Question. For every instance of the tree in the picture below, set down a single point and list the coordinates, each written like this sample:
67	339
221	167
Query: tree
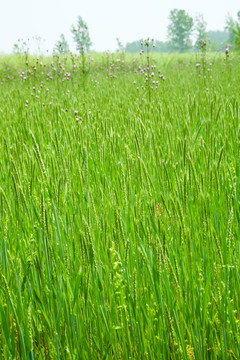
218	40
233	28
120	48
180	30
236	31
200	27
81	36
62	45
229	26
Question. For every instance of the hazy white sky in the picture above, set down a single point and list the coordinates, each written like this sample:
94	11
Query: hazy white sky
107	19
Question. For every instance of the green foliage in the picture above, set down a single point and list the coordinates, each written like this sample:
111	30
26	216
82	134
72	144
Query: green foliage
233	27
81	36
200	27
180	30
119	210
218	40
62	45
136	46
236	32
120	48
229	26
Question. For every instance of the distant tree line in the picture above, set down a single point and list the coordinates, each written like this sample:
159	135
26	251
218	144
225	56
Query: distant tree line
216	40
181	30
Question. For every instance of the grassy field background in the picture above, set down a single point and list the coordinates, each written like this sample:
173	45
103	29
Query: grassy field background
119	207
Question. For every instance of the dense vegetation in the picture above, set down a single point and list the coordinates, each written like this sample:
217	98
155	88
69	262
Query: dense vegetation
216	41
119	207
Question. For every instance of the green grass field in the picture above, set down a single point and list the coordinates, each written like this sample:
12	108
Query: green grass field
119	207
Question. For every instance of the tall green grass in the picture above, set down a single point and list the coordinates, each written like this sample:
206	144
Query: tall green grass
119	225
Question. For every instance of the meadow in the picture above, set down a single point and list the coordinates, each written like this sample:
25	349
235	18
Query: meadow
119	206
